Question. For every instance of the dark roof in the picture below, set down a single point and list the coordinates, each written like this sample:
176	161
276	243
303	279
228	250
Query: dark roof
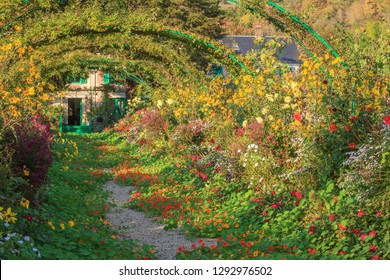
244	44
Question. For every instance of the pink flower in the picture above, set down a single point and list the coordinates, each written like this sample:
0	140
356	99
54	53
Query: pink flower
275	205
265	214
378	214
372	233
360	213
363	236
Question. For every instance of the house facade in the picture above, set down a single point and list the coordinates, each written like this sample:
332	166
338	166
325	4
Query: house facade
90	102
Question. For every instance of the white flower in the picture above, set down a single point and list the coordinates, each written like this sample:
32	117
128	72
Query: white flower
256	164
20	241
27	238
6	224
7	238
239	151
170	101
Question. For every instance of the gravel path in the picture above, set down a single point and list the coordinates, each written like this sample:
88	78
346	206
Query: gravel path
136	225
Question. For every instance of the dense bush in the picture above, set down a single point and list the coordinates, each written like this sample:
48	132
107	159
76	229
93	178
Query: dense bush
30	144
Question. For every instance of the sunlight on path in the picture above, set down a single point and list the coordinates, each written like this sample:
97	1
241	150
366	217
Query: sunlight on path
137	225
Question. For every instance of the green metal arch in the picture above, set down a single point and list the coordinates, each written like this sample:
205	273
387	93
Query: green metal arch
257	6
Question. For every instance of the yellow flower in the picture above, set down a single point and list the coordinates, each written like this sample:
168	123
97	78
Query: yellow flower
18	28
259	120
26	172
71	223
271	118
287	99
265	111
25	203
10	216
62	225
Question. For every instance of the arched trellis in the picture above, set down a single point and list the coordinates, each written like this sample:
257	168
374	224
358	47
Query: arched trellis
149	57
202	44
258	9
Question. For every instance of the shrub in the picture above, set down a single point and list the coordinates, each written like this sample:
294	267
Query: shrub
30	145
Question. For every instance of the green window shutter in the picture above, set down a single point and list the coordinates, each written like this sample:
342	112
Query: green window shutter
106	78
83	81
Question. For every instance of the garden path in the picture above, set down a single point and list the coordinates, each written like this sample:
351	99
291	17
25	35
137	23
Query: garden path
136	225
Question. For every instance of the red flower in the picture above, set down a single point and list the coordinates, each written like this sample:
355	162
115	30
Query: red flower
342	227
333	127
372	233
179	249
265	214
378	214
376	257
212	246
212	141
193	246
373	248
363	236
353	118
347	128
271	248
387	120
331	218
285	246
298	195
352	145
297	117
200	241
102	241
360	213
275	205
224	244
311	251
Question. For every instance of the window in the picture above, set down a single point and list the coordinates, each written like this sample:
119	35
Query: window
79	81
106	78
